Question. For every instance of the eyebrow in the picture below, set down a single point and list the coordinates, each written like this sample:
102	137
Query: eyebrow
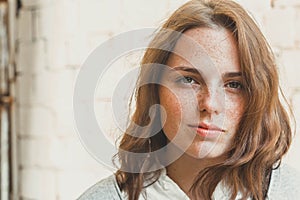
187	69
194	70
232	74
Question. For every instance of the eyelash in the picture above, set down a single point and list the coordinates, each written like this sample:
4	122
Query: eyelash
237	85
231	85
185	79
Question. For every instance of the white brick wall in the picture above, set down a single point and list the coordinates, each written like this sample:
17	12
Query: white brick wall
38	183
283	19
55	36
290	60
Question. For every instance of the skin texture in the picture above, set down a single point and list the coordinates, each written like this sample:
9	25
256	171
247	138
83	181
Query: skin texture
204	108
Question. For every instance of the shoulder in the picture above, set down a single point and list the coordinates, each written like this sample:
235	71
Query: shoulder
106	189
285	183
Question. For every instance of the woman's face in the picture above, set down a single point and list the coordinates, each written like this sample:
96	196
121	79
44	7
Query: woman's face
203	101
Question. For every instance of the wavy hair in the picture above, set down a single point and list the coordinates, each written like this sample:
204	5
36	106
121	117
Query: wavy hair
264	130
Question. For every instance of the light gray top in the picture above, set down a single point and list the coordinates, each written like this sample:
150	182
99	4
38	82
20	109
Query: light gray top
284	185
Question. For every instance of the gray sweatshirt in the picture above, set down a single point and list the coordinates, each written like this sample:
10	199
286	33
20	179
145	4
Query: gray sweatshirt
284	185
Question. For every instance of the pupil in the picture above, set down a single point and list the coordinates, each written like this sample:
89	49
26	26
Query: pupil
234	85
188	79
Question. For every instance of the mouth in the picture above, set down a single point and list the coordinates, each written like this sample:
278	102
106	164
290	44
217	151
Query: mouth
206	130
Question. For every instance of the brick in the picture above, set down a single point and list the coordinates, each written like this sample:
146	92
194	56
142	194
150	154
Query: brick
64	118
62	85
95	39
28	94
132	60
290	60
153	12
54	90
116	72
63	14
24	85
282	71
255	6
33	90
70	14
56	55
108	132
34	3
37	183
256	10
4	156
25	26
35	152
45	23
297	27
76	50
46	88
63	151
99	15
36	121
107	84
107	89
174	5
286	3
66	179
295	147
296	108
31	57
105	118
280	27
56	154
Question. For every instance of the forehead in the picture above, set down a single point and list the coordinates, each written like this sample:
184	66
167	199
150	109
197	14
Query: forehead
216	46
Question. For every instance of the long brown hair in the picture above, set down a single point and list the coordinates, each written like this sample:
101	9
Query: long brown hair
264	130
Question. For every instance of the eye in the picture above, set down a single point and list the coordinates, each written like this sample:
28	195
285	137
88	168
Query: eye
234	85
186	80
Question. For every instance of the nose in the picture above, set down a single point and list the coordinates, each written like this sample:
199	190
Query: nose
211	100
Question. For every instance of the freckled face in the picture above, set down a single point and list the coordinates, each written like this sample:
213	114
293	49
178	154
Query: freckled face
208	120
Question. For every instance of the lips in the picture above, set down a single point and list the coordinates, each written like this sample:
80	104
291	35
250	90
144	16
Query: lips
208	130
210	127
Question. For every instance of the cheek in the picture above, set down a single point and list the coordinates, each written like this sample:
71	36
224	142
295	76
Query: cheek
235	110
173	112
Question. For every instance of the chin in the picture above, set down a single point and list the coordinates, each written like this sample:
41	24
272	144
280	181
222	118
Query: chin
201	153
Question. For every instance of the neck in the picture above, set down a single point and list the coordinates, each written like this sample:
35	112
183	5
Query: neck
184	170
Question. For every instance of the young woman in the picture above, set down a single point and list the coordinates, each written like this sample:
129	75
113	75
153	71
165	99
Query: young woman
220	111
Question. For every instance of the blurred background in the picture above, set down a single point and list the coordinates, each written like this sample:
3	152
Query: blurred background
42	46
